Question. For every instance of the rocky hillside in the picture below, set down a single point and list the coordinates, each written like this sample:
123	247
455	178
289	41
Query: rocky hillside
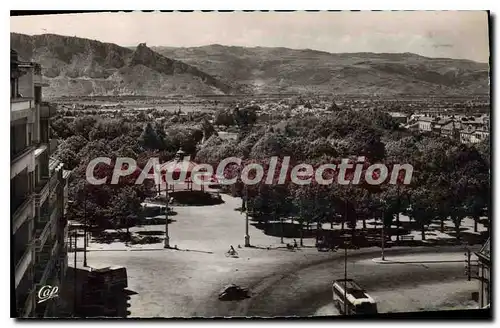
75	67
262	69
79	67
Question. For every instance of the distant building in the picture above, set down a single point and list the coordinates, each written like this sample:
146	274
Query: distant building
425	123
450	130
479	135
470	134
401	118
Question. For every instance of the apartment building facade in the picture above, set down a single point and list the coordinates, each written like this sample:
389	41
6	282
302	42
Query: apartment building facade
38	225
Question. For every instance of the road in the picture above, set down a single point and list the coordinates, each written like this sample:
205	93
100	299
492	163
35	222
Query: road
307	291
283	283
186	282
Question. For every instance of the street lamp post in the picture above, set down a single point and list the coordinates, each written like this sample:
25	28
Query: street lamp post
345	276
85	228
383	230
247	236
167	238
74	275
282	232
345	262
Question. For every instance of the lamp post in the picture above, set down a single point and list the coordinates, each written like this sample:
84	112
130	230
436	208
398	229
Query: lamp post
85	227
247	236
345	275
345	262
245	203
167	238
74	275
383	229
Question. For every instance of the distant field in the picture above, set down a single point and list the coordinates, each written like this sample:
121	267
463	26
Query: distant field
171	106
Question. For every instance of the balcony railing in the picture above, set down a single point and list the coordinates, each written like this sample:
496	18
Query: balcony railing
23	263
25	303
15	156
19	204
21	212
52	146
46	262
40	148
21	103
54	216
42	266
42	231
42	189
54	181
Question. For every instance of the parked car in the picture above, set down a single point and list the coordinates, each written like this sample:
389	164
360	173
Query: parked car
233	292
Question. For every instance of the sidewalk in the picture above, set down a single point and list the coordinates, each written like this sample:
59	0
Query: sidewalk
423	258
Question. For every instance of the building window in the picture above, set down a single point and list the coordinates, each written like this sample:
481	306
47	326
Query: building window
38	95
13	87
44	131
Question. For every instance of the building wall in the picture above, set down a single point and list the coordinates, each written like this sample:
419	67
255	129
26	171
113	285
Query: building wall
484	285
26	85
42	232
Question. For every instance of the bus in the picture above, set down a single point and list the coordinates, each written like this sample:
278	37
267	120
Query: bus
357	300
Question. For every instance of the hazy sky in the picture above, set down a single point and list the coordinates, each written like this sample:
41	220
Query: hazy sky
455	34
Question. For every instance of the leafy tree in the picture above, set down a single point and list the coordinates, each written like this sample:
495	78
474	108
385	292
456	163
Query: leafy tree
149	139
422	208
61	128
223	117
83	125
125	207
108	129
244	118
208	129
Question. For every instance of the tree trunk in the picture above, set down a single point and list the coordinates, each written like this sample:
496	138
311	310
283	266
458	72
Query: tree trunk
397	227
342	225
457	231
423	231
442	224
282	230
364	222
301	233
476	218
317	232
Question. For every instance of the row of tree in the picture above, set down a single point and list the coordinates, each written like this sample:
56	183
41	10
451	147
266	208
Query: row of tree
450	180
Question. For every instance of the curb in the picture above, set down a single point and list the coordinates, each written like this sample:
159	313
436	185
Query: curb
380	261
126	250
145	250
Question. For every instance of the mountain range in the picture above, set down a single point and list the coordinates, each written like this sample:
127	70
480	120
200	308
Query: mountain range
74	66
